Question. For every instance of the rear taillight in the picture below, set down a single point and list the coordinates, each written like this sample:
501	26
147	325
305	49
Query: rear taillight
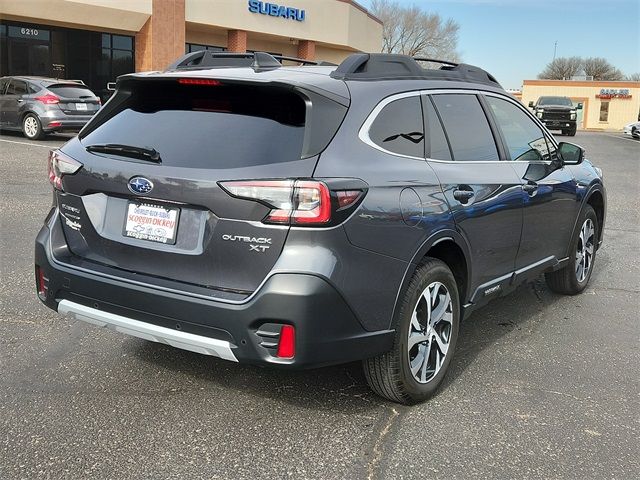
59	166
48	99
42	283
295	202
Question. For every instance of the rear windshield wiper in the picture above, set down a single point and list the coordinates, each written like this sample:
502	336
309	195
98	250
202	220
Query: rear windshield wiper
142	153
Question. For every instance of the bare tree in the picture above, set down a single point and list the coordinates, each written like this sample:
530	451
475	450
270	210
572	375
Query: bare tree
562	68
600	69
634	77
412	31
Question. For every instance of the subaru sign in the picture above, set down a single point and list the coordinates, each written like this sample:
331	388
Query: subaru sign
273	10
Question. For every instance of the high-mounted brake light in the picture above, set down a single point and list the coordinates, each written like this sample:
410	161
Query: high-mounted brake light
59	166
299	202
199	81
48	99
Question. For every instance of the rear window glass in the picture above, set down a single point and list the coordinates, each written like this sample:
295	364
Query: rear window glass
467	127
208	126
70	91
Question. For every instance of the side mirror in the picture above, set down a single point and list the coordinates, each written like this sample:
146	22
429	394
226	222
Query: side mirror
579	107
530	104
570	153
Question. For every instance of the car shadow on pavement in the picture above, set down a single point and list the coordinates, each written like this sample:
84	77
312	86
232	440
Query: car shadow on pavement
343	388
18	136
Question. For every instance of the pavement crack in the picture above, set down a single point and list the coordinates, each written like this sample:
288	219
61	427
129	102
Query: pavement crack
378	446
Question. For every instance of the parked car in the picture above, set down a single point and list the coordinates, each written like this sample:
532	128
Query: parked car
633	129
37	106
313	215
557	113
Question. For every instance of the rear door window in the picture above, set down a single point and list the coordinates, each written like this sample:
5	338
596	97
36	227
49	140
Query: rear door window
399	127
437	145
525	140
17	87
206	126
467	127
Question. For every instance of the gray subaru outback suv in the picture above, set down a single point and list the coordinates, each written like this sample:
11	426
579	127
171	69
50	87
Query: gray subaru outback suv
312	215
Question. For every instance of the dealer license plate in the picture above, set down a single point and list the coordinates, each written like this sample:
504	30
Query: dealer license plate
151	222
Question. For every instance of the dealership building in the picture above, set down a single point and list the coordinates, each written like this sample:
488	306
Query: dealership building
97	40
605	105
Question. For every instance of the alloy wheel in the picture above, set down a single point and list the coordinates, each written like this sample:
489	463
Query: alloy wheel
430	332
30	127
584	250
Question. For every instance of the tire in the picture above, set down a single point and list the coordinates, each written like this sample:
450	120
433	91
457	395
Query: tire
32	127
635	134
572	133
573	279
390	374
564	132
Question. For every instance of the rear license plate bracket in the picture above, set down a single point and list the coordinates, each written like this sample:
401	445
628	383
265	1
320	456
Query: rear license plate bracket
151	222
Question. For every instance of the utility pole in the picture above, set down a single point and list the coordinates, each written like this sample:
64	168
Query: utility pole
555	49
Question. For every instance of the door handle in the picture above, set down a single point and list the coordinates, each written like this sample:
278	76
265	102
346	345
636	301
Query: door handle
19	100
530	187
463	195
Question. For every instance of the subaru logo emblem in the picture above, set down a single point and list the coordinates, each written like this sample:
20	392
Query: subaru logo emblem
140	185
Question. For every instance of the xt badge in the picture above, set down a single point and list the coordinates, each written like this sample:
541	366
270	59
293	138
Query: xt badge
256	244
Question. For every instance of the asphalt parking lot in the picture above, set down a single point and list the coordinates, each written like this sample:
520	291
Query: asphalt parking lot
542	386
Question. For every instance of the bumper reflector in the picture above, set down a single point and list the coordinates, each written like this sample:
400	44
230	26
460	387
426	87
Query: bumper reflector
42	283
287	342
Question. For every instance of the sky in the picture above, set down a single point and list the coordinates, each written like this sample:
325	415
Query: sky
514	39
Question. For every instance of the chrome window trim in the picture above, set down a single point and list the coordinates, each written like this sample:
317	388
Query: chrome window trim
363	133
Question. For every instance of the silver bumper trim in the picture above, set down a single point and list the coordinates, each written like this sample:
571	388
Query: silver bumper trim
147	331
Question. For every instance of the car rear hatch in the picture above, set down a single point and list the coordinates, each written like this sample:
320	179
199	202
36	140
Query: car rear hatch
75	99
150	197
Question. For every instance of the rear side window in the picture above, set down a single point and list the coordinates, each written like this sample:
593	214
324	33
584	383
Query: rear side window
467	127
70	91
525	140
399	127
437	146
206	126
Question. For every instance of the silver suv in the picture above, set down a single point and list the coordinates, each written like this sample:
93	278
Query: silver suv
38	106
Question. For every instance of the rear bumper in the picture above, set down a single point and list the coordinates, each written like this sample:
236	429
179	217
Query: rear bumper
58	121
326	330
60	125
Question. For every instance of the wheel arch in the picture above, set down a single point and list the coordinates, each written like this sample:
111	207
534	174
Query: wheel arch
451	248
597	201
27	112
